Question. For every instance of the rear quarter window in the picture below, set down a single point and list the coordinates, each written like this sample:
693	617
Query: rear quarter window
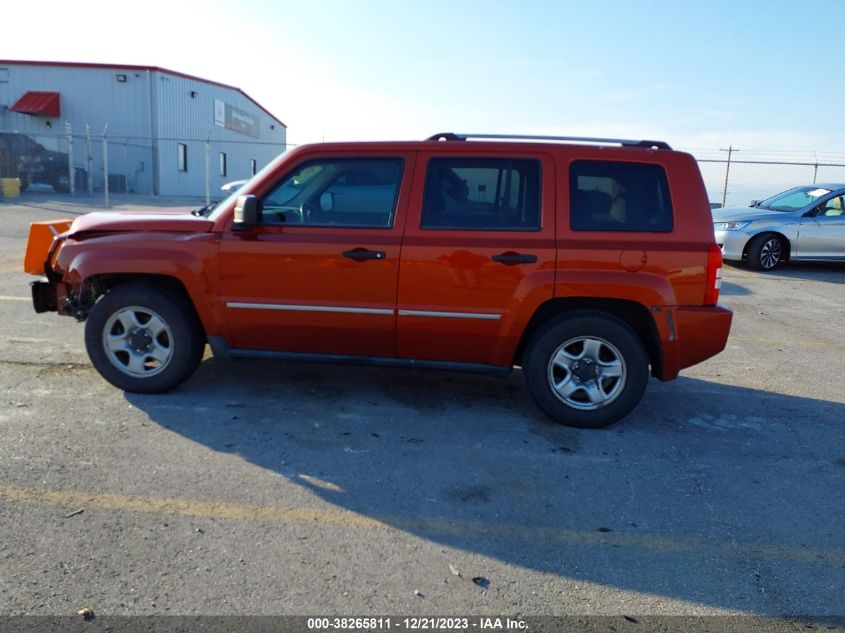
619	196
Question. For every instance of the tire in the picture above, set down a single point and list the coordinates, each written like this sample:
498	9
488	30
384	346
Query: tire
766	251
143	339
587	369
61	183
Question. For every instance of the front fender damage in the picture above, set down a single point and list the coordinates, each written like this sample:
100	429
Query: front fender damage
53	295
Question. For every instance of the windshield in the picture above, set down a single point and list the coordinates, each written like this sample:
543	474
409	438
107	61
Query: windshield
220	206
794	199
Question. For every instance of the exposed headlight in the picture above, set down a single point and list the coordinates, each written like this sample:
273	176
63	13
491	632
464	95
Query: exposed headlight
729	226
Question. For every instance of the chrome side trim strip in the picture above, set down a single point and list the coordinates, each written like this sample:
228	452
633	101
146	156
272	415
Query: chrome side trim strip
306	308
351	310
451	315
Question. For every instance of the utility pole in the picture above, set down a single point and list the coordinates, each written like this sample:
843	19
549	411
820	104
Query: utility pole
208	169
106	166
730	151
89	160
70	169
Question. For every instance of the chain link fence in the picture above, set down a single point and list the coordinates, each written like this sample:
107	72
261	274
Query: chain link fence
756	175
97	164
75	162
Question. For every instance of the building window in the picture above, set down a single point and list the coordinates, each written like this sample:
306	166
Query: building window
253	166
182	157
223	169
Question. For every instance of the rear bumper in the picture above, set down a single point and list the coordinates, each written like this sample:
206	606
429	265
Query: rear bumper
692	335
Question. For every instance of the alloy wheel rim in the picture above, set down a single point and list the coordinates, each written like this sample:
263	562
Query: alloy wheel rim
138	342
770	253
587	373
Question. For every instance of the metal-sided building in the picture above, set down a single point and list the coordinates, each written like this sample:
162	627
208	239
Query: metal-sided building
166	132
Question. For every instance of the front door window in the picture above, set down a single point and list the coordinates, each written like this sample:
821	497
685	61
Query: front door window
336	192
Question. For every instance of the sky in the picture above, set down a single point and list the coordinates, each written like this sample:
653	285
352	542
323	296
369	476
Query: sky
757	75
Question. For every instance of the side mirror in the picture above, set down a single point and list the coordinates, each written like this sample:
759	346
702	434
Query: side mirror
246	213
327	201
754	203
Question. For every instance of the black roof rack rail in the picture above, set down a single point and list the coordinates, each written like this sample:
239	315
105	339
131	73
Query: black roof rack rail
451	136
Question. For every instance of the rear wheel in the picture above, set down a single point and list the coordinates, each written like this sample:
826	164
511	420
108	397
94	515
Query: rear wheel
766	251
143	339
587	369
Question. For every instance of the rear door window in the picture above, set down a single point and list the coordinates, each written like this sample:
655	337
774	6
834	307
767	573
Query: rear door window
482	194
619	196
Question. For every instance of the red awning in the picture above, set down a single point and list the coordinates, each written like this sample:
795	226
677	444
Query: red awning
46	103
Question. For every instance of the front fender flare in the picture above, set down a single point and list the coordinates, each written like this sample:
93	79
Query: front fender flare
193	265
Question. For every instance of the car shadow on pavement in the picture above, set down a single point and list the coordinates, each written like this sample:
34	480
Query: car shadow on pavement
826	272
709	493
730	289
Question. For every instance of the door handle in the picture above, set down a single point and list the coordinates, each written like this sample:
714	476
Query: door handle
362	254
514	258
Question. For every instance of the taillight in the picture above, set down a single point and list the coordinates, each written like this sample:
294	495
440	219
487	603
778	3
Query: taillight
714	275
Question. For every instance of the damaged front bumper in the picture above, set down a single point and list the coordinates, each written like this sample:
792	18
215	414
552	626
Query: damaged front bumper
44	296
44	238
50	293
54	295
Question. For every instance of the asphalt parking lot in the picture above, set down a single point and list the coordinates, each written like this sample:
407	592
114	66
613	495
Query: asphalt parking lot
274	488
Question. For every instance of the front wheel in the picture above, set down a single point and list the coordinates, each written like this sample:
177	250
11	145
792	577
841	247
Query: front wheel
143	339
587	369
765	252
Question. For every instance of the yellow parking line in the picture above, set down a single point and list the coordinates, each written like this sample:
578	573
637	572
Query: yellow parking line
185	507
8	298
431	525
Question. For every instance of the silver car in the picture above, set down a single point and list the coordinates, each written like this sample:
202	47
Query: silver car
802	224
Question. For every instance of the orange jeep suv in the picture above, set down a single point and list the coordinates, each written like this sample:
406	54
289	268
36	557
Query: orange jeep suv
589	263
